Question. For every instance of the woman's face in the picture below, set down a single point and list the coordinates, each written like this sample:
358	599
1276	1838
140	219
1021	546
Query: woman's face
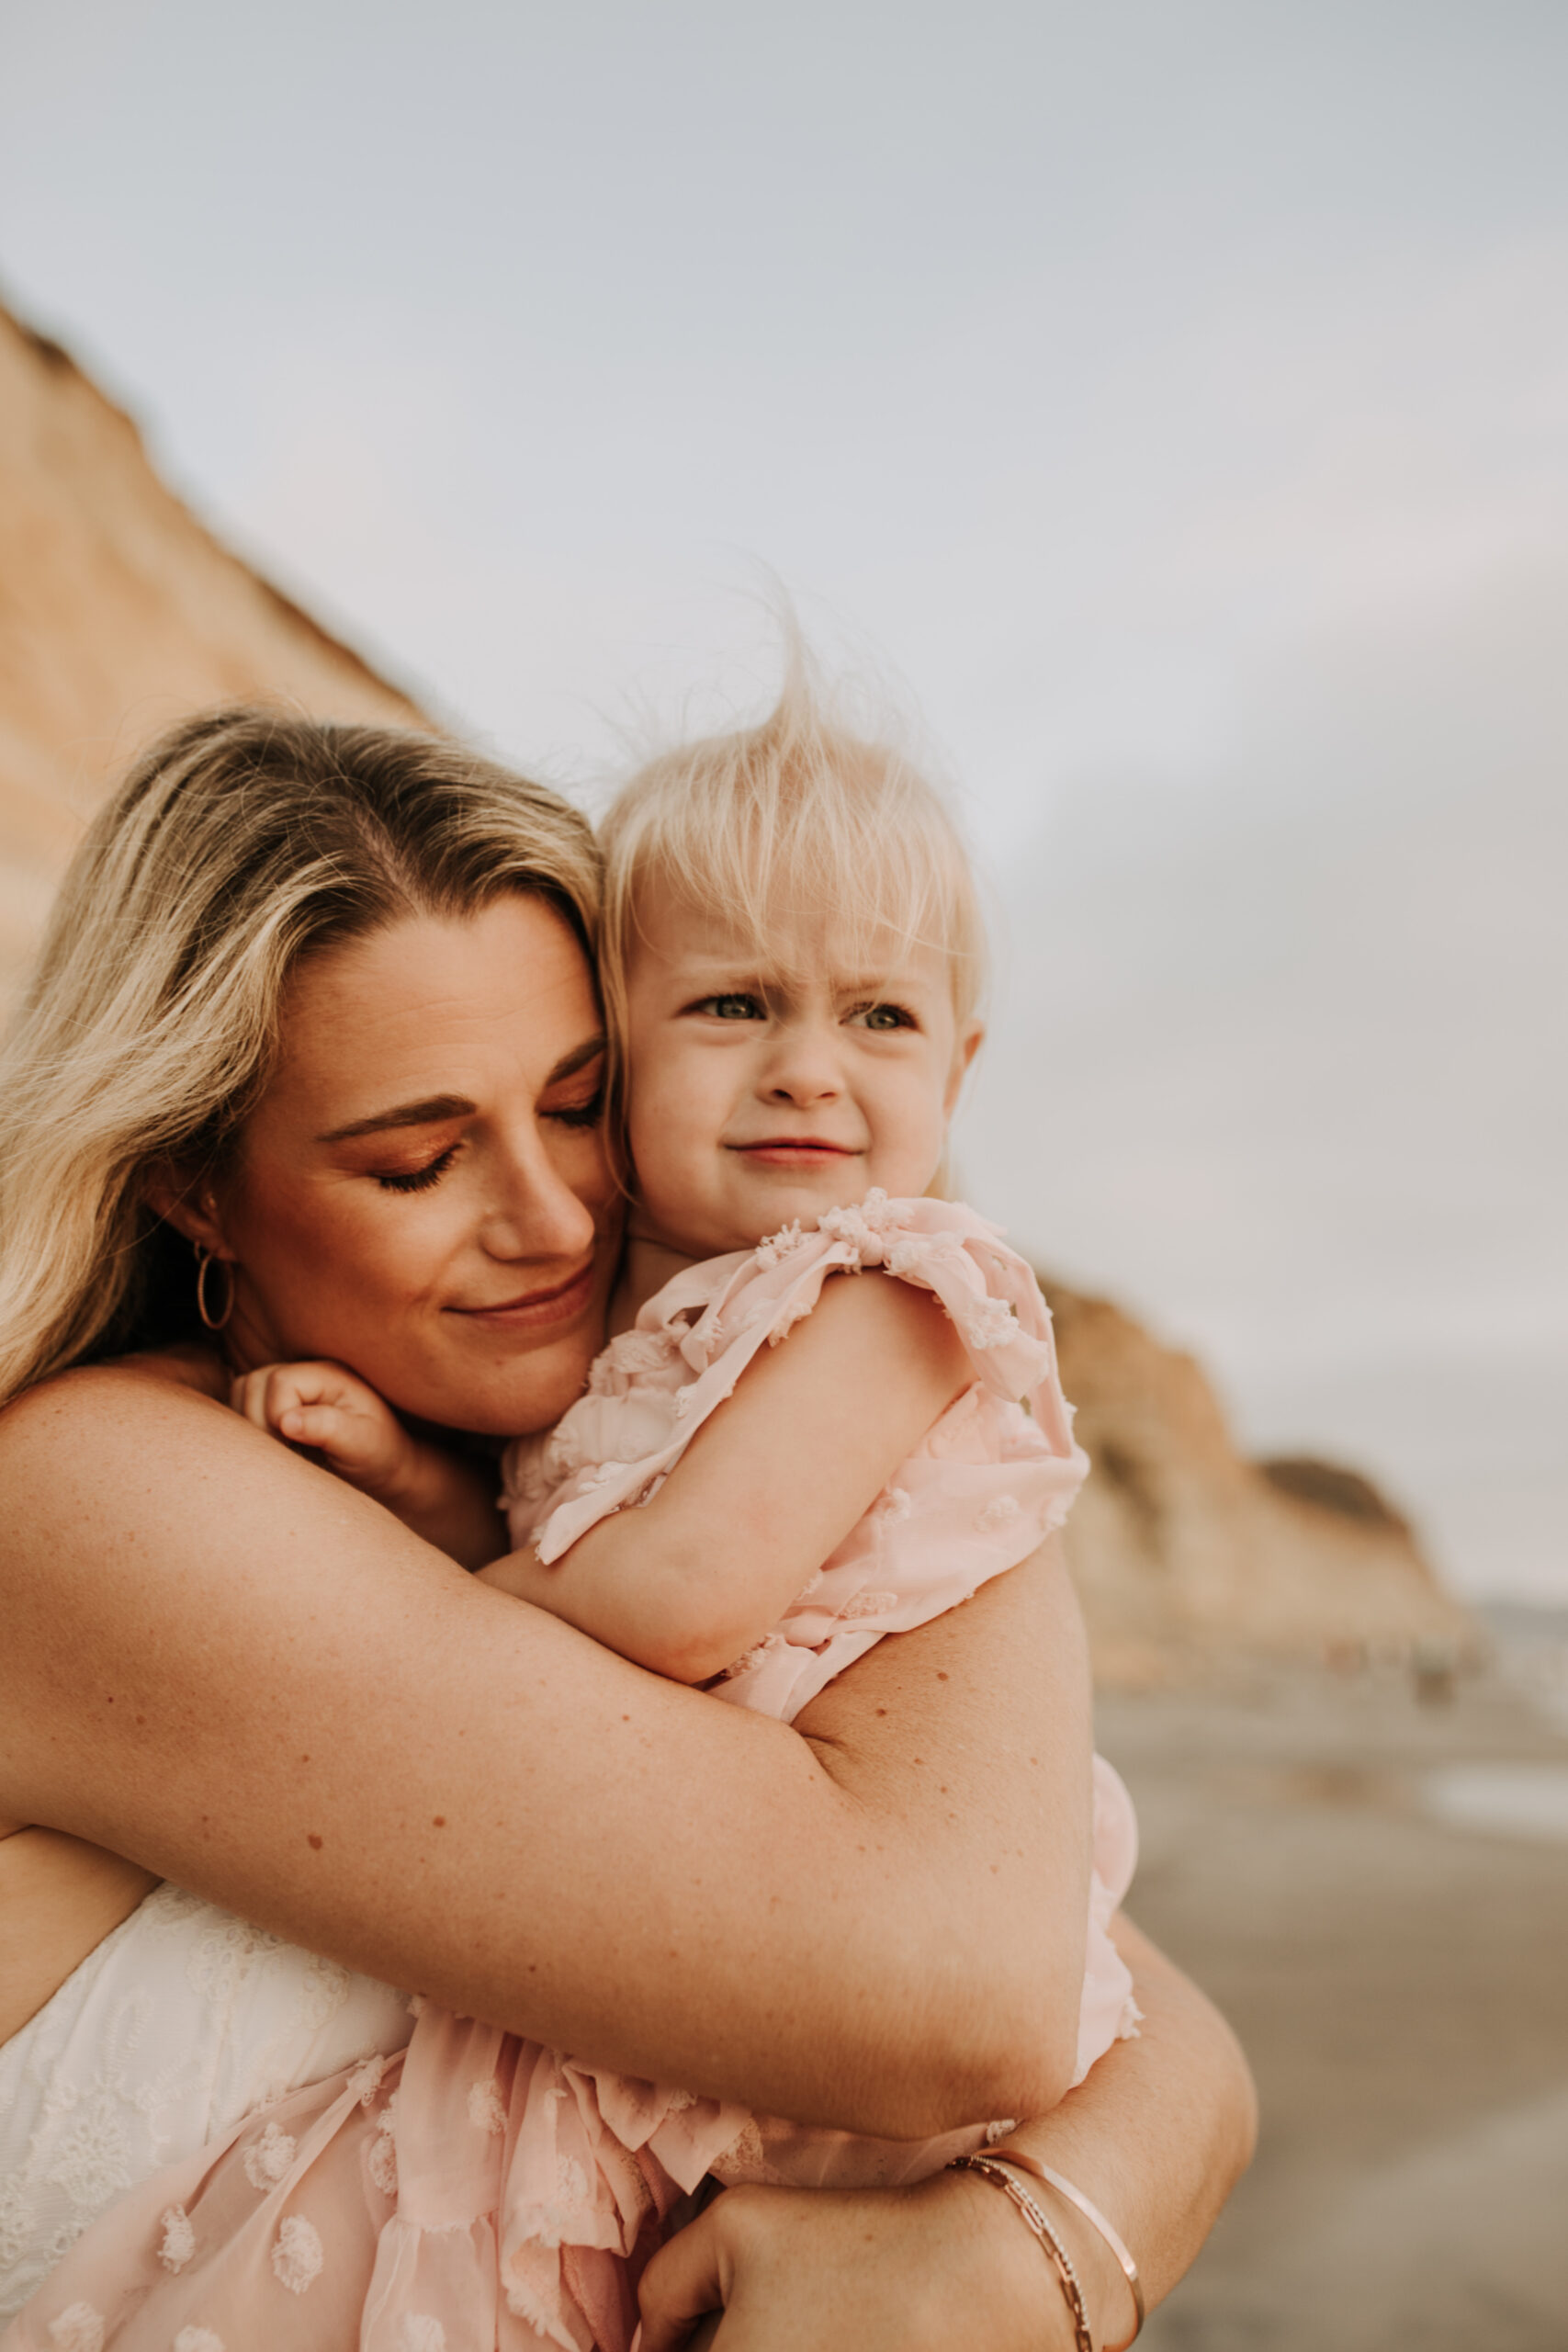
422	1194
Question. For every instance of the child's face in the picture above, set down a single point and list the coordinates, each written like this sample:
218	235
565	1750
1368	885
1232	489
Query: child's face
754	1100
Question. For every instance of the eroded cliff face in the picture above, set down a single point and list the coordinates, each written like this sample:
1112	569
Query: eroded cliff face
119	614
1184	1551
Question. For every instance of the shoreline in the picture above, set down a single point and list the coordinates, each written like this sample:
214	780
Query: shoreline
1395	1973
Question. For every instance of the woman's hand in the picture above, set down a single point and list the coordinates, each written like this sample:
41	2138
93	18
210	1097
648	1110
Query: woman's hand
1156	2133
947	2266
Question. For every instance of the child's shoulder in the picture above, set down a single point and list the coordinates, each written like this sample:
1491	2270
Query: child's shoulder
749	1295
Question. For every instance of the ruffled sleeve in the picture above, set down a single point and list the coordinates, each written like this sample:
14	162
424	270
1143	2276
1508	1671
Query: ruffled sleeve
708	1323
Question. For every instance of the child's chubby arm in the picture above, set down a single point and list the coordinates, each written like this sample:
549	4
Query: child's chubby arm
330	1411
766	1491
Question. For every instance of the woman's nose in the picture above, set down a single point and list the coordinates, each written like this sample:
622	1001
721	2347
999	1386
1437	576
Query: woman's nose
538	1214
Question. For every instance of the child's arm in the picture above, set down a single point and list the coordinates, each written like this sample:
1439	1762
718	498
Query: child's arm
321	1407
766	1491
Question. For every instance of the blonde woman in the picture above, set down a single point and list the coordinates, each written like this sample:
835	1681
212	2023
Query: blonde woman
266	1753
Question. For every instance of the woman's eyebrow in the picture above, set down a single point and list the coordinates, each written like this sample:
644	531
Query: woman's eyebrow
579	1058
406	1115
435	1107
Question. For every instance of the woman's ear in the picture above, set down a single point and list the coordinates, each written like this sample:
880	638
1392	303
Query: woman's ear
971	1038
186	1201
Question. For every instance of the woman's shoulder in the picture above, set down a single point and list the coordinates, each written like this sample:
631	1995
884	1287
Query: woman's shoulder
73	1441
178	1384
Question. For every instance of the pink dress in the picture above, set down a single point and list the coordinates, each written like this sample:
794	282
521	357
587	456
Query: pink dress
478	2189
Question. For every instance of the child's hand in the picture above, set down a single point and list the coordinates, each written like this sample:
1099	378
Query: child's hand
447	1500
335	1414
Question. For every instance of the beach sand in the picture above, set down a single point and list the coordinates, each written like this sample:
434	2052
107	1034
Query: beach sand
1400	1981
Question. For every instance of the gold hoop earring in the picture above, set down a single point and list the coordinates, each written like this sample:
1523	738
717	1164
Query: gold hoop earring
205	1259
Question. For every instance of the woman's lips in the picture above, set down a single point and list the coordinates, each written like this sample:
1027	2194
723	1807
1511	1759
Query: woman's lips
536	1309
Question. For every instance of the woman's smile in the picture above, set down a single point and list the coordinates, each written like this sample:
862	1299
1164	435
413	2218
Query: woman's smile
537	1309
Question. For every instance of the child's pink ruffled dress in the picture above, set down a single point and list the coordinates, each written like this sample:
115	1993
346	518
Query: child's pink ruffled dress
478	2189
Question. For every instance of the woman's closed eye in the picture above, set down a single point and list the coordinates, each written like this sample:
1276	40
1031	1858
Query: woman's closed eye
417	1180
587	1113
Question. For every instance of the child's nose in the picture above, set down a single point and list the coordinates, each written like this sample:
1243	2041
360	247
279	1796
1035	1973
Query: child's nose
803	1070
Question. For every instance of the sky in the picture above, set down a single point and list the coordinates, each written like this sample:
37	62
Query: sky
1170	403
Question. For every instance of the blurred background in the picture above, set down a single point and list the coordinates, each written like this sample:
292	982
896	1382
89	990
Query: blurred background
1172	402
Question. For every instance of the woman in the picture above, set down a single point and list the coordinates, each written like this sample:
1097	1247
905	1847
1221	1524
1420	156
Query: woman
290	964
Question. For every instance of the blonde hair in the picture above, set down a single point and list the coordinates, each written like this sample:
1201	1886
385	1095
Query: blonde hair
242	842
802	813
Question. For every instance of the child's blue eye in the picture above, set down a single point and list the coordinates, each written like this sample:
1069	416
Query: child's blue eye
732	1008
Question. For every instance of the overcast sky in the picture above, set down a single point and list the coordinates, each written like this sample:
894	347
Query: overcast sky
1173	397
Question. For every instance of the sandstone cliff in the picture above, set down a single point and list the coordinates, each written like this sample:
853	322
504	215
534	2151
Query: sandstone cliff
1185	1550
118	613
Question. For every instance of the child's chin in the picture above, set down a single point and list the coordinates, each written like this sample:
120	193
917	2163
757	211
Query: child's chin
793	1194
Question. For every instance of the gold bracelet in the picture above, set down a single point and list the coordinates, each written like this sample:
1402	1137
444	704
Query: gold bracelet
1095	2220
1002	2178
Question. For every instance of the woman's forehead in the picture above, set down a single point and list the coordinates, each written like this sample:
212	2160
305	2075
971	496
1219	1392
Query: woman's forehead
428	997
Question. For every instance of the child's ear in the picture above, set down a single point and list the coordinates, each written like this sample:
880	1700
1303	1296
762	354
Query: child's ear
971	1038
180	1197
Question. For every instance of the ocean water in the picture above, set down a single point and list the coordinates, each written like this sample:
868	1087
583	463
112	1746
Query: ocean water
1507	1800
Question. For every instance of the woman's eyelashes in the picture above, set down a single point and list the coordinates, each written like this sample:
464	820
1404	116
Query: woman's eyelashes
586	1114
417	1180
585	1111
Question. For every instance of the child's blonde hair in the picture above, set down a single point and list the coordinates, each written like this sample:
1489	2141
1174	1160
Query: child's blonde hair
801	813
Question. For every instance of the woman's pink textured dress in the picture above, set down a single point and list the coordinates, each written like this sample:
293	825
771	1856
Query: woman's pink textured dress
478	2189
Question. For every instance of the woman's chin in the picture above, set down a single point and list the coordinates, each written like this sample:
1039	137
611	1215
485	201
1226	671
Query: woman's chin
504	1398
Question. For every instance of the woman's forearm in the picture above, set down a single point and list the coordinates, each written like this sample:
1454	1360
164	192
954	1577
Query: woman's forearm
1157	2136
235	1672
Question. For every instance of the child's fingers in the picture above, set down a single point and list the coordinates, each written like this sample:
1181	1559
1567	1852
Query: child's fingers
248	1396
270	1396
327	1429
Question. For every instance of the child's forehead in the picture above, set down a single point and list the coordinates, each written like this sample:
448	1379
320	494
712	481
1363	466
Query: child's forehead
801	943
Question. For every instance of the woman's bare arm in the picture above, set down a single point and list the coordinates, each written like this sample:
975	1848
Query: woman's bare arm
1157	2135
231	1668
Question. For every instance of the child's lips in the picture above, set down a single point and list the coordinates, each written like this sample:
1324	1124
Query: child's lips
796	1152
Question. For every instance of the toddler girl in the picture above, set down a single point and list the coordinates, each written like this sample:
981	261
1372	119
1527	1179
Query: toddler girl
791	965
